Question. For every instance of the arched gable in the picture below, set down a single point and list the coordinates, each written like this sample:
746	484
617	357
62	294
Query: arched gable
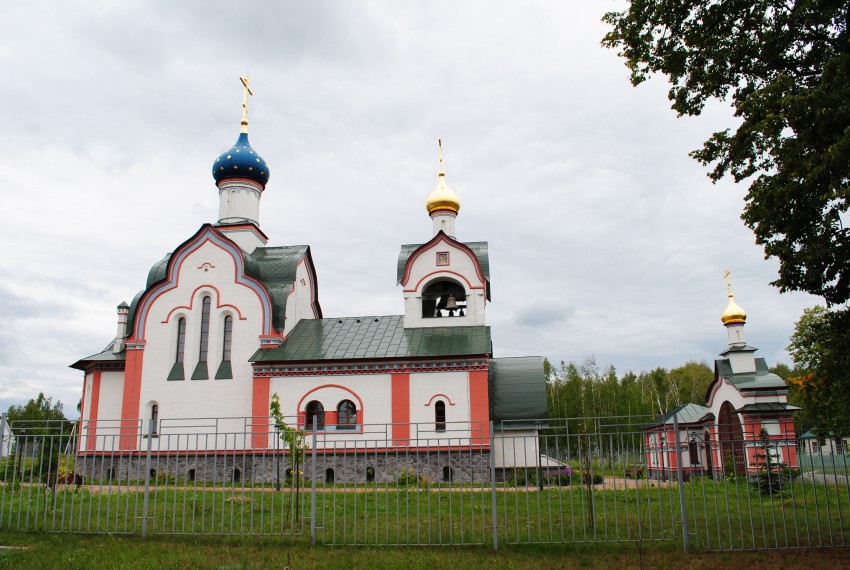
475	280
206	234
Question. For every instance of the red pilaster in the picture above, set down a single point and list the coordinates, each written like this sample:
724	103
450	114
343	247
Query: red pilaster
91	433
479	406
260	413
132	394
400	389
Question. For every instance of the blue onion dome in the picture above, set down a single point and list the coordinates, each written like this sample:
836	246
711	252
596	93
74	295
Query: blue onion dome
241	161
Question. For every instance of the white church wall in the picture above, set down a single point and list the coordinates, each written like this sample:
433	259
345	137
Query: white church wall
450	387
371	393
462	268
207	271
299	305
516	448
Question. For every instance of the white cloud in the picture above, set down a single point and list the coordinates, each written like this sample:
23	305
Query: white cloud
603	233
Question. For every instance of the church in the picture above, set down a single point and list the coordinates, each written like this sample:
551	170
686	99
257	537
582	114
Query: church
227	320
725	437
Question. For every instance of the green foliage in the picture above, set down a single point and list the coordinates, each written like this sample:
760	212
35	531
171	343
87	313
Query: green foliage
293	439
821	382
39	409
410	477
585	391
773	475
785	68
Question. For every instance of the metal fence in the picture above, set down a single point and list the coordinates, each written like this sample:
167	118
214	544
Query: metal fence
578	480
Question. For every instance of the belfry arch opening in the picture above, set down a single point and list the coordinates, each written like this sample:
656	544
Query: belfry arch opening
443	298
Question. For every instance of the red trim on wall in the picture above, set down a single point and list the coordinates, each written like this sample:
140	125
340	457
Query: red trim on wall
260	398
347	389
441	237
441	271
400	393
218	303
91	434
82	409
479	403
130	398
440	396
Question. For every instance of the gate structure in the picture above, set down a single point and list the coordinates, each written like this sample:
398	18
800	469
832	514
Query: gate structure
563	481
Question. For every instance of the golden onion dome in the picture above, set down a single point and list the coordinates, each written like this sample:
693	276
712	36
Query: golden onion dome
443	197
733	314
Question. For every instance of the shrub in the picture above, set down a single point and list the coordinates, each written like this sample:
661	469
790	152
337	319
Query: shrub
409	477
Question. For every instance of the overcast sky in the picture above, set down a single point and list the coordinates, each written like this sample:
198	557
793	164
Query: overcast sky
606	238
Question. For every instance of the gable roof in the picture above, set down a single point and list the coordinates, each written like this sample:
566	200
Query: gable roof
761	378
517	391
374	337
479	248
105	355
685	414
274	267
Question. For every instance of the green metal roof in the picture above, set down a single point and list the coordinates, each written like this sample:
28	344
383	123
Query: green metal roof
517	391
767	407
479	248
761	378
105	355
275	267
686	414
373	337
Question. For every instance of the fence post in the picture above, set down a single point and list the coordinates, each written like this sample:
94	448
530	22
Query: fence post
493	501
3	441
147	480
681	479
313	491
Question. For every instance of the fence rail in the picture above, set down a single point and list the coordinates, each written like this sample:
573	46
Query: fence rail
577	480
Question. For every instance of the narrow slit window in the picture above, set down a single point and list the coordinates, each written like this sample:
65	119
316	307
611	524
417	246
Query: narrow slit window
228	338
181	340
440	415
205	330
154	419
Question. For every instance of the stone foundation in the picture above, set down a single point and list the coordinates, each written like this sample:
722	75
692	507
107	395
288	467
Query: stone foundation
434	467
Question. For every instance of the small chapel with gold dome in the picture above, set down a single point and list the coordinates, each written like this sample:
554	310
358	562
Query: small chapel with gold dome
226	320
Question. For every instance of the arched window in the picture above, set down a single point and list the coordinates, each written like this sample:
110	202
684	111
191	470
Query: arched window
225	370
155	419
443	299
228	338
237	475
316	409
329	475
440	415
179	352
370	474
205	330
191	475
201	371
448	475
181	340
346	415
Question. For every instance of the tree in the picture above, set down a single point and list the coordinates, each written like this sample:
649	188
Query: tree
39	409
820	347
785	68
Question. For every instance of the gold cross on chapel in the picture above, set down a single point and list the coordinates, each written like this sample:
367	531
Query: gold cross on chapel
247	91
726	274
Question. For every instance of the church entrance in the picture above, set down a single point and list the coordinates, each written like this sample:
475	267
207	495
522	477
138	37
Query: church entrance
731	438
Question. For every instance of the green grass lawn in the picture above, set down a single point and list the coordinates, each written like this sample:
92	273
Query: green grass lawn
721	514
92	552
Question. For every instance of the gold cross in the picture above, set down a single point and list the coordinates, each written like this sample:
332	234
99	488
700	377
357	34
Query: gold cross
726	274
440	146
247	91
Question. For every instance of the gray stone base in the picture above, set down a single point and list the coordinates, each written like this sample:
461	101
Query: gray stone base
427	467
